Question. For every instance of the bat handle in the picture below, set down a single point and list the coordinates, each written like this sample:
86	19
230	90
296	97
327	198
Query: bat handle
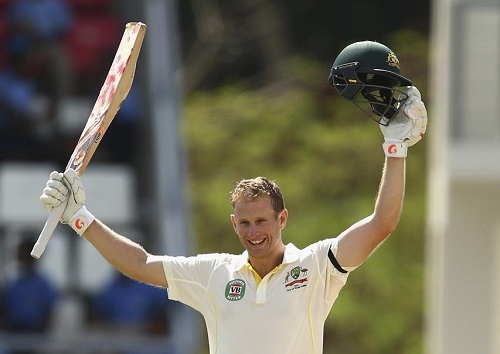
47	231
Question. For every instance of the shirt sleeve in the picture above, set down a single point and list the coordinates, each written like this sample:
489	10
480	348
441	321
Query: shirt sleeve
334	278
334	248
188	277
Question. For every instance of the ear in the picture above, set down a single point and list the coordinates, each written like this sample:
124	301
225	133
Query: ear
233	222
283	218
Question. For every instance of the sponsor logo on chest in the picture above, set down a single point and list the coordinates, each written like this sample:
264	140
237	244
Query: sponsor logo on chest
296	278
235	290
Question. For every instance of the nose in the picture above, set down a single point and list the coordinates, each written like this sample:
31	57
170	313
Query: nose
253	230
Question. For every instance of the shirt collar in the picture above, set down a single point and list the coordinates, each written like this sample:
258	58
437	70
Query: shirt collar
292	254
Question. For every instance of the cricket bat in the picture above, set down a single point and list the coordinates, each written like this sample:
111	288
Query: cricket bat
113	92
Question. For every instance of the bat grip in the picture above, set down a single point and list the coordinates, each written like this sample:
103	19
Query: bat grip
47	231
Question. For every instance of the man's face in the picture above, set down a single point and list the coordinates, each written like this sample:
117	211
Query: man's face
259	226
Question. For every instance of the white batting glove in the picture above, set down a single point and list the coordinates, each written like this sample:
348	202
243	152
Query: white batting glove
407	127
54	193
66	188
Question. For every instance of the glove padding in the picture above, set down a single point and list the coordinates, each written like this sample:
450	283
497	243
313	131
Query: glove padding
55	192
67	189
407	127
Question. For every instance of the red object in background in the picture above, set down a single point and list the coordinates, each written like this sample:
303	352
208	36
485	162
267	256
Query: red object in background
89	37
3	38
87	5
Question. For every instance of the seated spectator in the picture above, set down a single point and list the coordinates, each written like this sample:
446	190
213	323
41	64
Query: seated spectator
39	27
37	66
125	304
17	92
29	299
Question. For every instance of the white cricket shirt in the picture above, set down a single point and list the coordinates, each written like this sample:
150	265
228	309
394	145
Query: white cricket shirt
283	314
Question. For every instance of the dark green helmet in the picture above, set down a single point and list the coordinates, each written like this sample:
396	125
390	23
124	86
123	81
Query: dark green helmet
372	70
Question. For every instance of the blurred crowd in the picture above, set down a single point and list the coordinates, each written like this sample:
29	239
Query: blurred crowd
54	57
55	54
30	300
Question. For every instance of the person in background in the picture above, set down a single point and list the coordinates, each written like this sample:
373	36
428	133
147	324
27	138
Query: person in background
128	305
29	299
37	56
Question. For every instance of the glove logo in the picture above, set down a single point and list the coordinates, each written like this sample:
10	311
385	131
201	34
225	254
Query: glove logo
392	149
80	223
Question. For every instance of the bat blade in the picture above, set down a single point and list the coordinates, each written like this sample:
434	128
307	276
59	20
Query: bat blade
113	92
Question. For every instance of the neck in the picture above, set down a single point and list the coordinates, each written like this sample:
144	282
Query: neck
264	266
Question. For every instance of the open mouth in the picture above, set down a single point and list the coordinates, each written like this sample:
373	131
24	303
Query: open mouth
257	242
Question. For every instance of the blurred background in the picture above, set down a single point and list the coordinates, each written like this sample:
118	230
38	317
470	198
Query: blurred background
228	90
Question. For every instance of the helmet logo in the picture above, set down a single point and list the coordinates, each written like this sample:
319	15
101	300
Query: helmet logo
392	60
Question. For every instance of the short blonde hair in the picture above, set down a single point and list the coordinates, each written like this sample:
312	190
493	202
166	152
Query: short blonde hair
248	189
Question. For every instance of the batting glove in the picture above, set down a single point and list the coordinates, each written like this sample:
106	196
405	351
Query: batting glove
407	127
67	189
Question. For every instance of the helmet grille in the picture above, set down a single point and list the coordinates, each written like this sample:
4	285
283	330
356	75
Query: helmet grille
377	88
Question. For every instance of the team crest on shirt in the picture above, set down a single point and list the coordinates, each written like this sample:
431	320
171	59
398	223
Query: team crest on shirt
235	290
296	278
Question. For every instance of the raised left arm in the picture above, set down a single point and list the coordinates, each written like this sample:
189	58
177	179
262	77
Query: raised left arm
361	239
406	129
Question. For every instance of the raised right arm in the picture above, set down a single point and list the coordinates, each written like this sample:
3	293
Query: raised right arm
125	255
